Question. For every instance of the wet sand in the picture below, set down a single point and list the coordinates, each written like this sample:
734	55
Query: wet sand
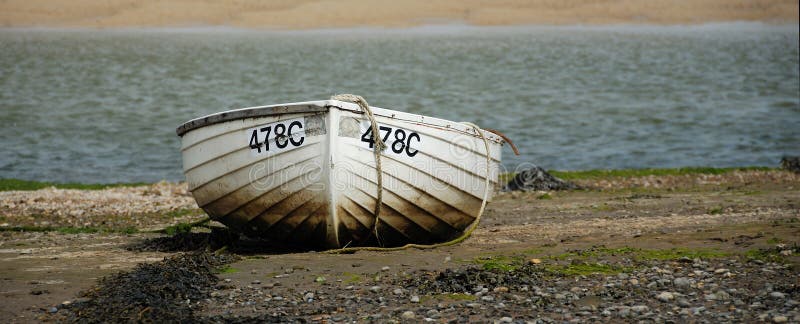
314	14
739	230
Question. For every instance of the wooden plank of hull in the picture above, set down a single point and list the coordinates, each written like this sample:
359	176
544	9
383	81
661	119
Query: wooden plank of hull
263	174
323	193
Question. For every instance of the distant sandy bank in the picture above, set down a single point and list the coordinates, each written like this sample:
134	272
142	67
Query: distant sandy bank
313	14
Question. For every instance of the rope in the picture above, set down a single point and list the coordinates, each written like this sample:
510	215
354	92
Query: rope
467	233
505	138
378	146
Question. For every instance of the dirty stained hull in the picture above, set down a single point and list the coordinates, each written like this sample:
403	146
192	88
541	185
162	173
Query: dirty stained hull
315	183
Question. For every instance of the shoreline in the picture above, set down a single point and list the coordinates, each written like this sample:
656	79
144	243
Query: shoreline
322	14
433	29
16	184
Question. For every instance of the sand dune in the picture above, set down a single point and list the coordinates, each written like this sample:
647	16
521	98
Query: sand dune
305	14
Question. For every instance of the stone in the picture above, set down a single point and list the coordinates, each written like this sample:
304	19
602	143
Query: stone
385	268
415	299
535	261
777	295
487	298
665	296
505	319
375	289
682	282
780	319
408	315
397	291
722	295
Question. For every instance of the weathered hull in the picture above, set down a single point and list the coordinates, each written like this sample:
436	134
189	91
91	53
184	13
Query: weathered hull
317	184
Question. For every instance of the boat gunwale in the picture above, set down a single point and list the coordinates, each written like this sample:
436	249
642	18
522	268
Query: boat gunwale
250	112
323	106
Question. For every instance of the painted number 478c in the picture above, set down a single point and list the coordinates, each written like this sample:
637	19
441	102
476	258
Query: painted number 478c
276	136
399	140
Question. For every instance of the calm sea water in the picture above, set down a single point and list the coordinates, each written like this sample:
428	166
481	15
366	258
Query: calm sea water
102	106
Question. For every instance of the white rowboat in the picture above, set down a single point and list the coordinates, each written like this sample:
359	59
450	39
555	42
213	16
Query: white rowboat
304	173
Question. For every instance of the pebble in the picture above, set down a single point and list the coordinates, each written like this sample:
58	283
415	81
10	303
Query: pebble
256	282
665	296
780	319
397	291
777	295
682	282
506	319
415	299
501	289
385	268
375	289
53	310
487	298
408	315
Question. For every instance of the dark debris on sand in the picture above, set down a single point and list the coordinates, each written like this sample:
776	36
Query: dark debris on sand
470	279
152	292
186	242
791	163
537	178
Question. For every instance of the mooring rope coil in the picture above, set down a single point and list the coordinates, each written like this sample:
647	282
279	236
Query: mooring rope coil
379	145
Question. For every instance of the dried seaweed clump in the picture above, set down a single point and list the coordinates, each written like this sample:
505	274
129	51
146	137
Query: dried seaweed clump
152	292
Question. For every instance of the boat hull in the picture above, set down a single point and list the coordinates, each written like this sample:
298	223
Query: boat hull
305	174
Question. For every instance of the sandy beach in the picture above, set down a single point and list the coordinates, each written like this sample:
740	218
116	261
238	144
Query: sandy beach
314	14
705	247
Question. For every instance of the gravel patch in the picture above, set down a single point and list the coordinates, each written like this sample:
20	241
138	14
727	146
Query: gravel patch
701	290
